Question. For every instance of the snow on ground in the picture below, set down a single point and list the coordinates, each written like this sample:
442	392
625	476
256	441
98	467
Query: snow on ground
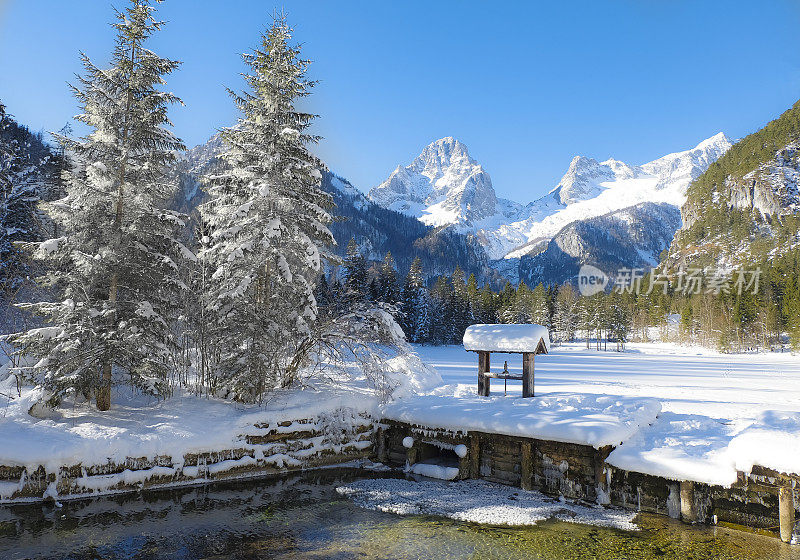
137	426
720	412
476	501
140	426
594	420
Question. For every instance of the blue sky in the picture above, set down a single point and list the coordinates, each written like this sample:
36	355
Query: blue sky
525	85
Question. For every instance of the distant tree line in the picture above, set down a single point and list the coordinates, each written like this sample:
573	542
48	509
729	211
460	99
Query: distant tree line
438	311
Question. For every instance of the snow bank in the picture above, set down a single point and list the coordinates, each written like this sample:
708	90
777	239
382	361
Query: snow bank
679	447
136	428
772	441
506	338
434	471
703	449
338	398
594	420
477	501
410	375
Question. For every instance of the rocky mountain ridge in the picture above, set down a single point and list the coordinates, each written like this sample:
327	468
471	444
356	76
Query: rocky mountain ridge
445	186
745	208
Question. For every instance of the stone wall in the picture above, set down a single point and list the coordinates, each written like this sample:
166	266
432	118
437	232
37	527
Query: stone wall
580	472
341	436
555	468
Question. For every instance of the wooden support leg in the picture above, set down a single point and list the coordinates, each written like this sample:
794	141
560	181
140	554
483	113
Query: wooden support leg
527	374
484	383
786	512
526	466
688	513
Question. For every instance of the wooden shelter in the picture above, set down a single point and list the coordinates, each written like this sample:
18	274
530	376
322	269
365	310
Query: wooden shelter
527	340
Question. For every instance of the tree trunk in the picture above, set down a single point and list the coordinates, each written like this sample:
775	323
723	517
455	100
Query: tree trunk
104	391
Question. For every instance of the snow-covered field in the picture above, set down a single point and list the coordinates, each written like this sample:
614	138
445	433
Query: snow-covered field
719	412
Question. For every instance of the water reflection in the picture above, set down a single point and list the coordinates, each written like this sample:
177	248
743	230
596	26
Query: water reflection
301	516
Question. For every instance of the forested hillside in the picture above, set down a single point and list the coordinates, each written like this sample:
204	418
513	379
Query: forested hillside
29	172
745	207
378	231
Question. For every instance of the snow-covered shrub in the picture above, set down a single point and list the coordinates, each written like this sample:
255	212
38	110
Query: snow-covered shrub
367	342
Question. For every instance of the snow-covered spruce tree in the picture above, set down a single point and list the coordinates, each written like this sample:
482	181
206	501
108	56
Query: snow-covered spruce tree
269	220
28	173
18	196
114	266
388	288
415	312
356	277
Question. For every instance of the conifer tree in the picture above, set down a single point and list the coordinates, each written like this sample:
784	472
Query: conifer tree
29	173
415	305
355	273
540	306
462	311
442	322
115	266
388	289
474	299
566	312
269	221
18	198
488	305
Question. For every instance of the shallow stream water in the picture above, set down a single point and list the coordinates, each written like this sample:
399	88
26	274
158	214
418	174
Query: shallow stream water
302	516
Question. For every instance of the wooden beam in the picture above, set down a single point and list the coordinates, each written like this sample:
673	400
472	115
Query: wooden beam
527	374
786	512
688	510
526	466
474	456
484	384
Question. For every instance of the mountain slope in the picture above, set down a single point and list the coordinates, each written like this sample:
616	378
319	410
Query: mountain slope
378	230
630	238
746	206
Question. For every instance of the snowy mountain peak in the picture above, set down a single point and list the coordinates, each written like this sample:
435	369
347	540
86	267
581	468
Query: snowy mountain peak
676	171
583	177
442	185
441	154
717	142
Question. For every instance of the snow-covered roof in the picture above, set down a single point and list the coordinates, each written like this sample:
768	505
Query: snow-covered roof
506	338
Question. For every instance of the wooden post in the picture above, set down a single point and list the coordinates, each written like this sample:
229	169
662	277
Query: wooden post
526	466
382	453
527	374
786	512
688	513
483	381
474	456
411	456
